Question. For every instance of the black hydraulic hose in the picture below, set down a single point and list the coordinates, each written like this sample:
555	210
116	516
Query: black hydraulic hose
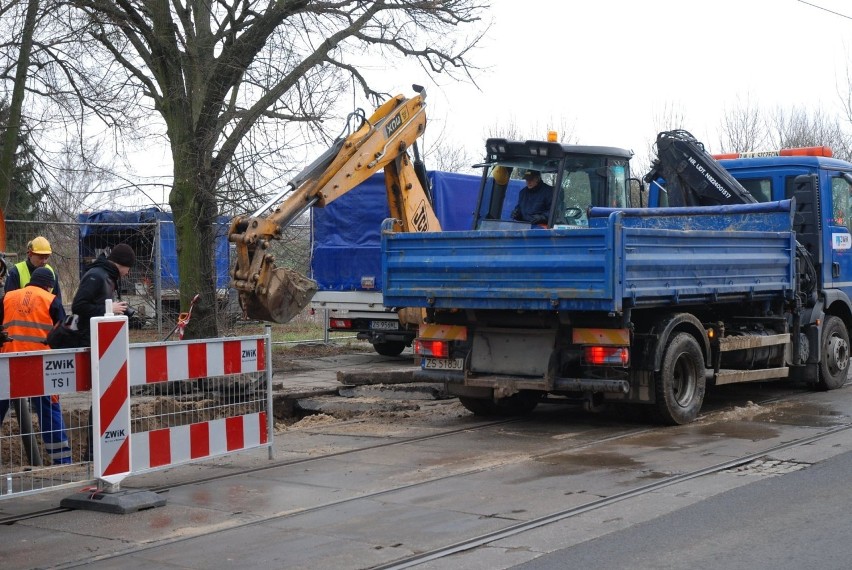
420	171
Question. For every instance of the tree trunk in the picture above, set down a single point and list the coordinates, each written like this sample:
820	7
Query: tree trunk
194	211
10	137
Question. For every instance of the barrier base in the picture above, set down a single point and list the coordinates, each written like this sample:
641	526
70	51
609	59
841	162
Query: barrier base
119	502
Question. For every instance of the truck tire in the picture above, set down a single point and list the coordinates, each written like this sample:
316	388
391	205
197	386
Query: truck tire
680	384
519	404
390	347
834	365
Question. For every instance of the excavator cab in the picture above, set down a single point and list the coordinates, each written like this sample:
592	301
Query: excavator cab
576	177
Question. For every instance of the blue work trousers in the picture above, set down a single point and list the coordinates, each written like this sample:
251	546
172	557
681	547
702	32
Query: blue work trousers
51	424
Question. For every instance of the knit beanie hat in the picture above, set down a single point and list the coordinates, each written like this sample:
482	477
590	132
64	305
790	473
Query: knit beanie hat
122	254
43	277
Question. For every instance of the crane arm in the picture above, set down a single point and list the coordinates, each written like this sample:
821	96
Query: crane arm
380	142
693	177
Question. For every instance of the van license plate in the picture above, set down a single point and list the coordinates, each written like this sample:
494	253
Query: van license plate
384	325
442	364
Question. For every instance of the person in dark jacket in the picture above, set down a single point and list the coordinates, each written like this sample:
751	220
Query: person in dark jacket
534	201
100	283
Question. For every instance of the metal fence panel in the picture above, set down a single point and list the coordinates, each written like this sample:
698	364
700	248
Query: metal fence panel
155	294
44	442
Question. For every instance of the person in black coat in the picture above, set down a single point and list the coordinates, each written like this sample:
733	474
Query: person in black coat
100	282
534	200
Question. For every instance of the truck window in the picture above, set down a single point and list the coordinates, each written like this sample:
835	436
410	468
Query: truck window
591	181
841	204
760	188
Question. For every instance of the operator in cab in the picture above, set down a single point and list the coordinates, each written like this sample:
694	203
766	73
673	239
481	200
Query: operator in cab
534	201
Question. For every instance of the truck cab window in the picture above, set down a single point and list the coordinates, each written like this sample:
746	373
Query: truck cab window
588	182
618	185
575	196
841	202
760	188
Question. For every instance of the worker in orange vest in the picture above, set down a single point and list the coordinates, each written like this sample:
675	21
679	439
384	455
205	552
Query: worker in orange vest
28	314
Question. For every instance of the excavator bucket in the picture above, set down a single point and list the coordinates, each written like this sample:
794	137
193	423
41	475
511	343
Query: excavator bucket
287	293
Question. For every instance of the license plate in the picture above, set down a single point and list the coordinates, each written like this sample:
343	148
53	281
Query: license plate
384	325
442	364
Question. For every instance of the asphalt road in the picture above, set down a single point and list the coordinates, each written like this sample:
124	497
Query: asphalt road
562	488
790	522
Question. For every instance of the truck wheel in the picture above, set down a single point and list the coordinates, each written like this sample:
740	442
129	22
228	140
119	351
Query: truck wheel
519	404
479	406
680	384
390	347
834	366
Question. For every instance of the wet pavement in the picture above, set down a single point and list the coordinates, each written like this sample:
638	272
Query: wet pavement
359	493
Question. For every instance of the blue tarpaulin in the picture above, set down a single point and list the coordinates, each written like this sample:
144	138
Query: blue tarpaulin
101	230
346	236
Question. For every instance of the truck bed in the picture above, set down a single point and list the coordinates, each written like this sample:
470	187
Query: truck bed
625	258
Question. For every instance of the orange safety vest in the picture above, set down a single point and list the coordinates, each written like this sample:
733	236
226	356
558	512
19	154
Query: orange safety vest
26	318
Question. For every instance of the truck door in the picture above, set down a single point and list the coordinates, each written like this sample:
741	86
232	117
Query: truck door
838	238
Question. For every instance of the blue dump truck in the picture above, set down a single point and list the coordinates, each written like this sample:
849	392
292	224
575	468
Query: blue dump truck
346	255
154	282
611	304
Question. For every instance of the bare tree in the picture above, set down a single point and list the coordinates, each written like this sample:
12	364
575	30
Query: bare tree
81	179
13	124
799	127
748	127
40	61
441	154
217	71
743	128
512	129
666	118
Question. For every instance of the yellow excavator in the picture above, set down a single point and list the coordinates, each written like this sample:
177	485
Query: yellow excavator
278	294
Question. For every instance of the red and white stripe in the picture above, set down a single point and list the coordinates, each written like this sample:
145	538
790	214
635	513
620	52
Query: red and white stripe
168	362
111	395
170	446
44	373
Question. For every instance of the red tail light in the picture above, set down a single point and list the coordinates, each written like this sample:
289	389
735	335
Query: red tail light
607	355
434	348
340	323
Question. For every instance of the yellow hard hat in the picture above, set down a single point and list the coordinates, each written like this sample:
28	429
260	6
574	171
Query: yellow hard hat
39	245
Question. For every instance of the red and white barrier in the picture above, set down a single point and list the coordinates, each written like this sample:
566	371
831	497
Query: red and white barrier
44	373
167	362
170	446
112	366
111	396
171	362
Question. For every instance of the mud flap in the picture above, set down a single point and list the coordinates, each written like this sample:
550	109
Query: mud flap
287	293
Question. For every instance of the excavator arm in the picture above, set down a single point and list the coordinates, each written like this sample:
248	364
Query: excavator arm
379	142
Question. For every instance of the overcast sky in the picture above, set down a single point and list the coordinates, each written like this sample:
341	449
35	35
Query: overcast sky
610	66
